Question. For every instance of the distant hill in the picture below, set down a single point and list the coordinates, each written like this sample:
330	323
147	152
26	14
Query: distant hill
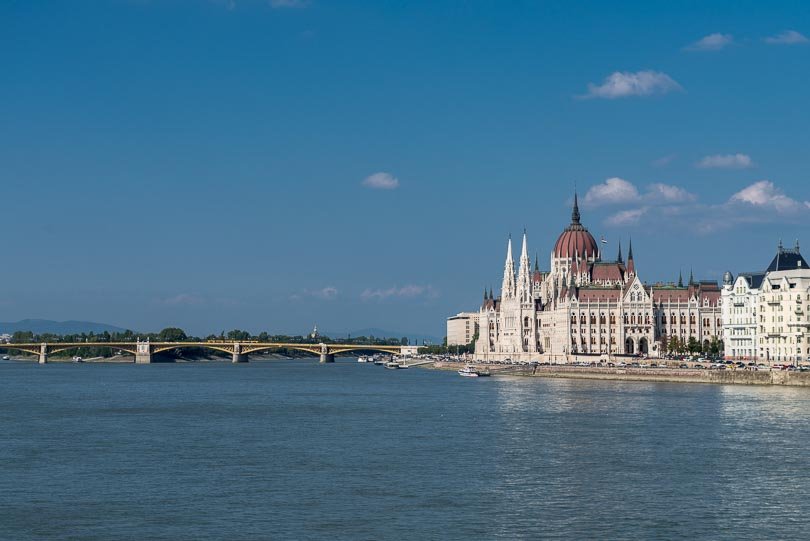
42	326
381	333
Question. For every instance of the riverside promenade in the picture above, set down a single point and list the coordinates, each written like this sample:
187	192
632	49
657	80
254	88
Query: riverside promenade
671	375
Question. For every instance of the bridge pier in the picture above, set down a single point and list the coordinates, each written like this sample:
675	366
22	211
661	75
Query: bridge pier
327	357
240	358
43	353
143	353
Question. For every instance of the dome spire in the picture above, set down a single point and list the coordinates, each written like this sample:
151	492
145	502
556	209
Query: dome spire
575	211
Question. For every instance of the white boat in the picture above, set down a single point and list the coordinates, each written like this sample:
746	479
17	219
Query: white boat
364	359
6	357
470	372
392	365
78	359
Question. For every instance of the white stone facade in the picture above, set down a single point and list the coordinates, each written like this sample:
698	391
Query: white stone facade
587	306
764	313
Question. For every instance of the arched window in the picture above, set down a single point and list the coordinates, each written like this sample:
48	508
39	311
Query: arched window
602	318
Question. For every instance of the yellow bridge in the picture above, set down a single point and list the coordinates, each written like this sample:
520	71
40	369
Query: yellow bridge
143	351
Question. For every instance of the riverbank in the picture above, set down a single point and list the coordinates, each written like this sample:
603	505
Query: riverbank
668	375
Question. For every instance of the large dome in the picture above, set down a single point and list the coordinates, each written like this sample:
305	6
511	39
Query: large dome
576	240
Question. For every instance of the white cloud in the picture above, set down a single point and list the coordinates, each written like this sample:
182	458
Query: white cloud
327	294
668	193
404	292
726	161
765	195
663	161
613	190
712	42
617	191
381	181
288	3
758	203
787	37
182	299
626	217
622	84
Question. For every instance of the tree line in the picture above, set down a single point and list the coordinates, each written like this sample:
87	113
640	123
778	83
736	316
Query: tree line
176	334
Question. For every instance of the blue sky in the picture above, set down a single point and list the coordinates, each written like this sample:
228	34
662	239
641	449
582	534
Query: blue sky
273	164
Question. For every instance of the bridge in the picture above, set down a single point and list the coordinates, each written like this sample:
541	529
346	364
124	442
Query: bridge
239	350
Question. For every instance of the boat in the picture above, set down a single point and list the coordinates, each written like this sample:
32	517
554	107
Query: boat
6	357
380	361
78	359
470	372
392	365
364	359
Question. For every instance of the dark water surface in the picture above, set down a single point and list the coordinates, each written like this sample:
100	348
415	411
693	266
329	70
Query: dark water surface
297	450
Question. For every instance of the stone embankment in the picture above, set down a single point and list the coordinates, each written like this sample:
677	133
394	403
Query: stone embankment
675	375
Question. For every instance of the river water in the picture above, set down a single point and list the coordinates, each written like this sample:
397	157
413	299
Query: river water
298	450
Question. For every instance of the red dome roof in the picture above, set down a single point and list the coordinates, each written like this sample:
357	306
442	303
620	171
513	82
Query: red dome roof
576	240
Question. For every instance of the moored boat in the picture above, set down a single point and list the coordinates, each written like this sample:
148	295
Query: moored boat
470	372
393	365
364	359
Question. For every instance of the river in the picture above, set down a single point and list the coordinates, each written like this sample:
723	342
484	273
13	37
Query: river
297	450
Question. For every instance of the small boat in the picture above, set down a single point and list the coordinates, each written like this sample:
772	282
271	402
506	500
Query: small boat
380	361
78	359
470	372
393	365
364	359
6	357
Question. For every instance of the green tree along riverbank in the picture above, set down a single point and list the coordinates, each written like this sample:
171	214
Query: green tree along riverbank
175	334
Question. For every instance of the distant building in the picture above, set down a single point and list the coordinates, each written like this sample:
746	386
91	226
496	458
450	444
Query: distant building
764	315
740	323
592	306
462	328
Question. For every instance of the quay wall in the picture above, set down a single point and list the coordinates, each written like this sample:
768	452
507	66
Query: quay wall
729	377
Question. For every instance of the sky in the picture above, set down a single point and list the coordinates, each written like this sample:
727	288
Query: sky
271	165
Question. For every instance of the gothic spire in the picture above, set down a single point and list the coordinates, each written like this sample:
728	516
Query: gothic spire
619	257
680	279
491	296
508	285
536	266
630	250
691	277
575	210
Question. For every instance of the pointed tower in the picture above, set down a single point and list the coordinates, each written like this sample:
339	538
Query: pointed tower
524	281
680	279
508	285
619	257
491	296
631	264
691	277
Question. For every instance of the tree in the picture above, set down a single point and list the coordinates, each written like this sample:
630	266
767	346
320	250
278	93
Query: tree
236	334
22	336
404	341
172	334
693	345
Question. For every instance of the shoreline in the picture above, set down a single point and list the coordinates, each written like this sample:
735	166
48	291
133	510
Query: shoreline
661	375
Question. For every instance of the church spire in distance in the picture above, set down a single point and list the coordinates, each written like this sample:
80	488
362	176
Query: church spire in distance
575	211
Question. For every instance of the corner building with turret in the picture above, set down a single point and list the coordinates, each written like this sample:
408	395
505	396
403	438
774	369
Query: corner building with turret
585	305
